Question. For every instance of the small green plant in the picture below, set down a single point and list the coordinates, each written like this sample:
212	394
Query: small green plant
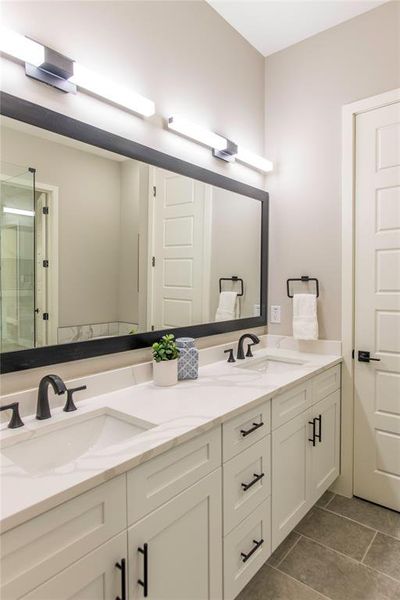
165	349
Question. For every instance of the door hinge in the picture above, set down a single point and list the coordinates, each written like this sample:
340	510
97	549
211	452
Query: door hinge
45	316
352	354
153	261
152	327
154	191
45	210
45	263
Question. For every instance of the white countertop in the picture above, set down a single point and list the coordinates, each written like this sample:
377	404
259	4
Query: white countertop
178	413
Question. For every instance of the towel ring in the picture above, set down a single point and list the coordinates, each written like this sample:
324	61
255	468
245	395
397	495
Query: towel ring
304	279
234	278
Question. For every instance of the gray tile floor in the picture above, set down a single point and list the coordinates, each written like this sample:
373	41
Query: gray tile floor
343	549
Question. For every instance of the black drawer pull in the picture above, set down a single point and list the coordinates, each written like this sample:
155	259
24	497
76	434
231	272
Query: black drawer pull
245	557
256	426
319	434
313	432
122	567
247	486
145	581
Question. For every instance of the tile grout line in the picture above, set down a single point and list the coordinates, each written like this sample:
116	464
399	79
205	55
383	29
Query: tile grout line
329	501
354	560
288	552
300	582
359	523
368	547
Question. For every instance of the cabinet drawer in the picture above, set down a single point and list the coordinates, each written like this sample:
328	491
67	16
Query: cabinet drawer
242	431
40	548
325	383
240	542
291	403
242	470
156	481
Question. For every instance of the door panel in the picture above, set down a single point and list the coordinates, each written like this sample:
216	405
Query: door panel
184	546
377	307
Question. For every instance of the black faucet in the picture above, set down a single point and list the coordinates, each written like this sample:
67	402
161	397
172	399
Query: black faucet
15	420
254	339
43	408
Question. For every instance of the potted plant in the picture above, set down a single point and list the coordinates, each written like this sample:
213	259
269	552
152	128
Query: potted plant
165	361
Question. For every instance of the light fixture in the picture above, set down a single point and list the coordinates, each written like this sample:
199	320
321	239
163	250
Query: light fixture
20	47
18	211
100	86
221	146
254	160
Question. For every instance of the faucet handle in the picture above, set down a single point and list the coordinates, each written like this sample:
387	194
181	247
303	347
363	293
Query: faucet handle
230	358
70	405
249	353
15	420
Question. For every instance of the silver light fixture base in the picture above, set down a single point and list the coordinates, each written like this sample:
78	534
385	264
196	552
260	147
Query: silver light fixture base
228	155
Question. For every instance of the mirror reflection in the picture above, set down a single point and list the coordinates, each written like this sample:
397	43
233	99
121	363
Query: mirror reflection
94	244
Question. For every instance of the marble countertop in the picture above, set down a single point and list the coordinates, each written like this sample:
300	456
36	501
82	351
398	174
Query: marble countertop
176	414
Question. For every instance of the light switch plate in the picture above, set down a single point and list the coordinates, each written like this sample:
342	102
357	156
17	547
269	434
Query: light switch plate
275	314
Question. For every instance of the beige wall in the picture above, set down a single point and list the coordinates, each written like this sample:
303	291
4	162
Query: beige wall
306	86
182	55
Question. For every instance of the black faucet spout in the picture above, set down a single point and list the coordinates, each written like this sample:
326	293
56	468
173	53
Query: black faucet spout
43	407
252	337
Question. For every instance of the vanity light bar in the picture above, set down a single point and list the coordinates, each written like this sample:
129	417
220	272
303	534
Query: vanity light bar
48	66
197	133
101	86
19	211
254	160
20	47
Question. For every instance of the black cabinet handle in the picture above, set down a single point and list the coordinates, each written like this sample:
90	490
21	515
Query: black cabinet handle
247	486
319	434
145	581
122	567
245	557
313	432
256	426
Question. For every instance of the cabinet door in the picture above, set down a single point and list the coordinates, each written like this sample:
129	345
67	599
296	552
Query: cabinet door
93	577
176	551
325	454
290	476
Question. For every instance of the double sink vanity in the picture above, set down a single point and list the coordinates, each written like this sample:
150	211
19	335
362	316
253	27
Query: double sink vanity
178	492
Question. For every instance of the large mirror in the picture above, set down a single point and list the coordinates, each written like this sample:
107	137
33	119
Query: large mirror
97	245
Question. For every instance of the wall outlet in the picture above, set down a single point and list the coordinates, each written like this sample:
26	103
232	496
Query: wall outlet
275	314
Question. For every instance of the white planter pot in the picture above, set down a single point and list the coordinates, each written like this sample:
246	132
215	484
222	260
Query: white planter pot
165	372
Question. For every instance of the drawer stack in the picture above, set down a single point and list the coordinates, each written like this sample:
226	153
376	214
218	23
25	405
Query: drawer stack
246	445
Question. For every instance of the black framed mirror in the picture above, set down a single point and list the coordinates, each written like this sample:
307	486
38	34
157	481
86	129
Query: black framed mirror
106	243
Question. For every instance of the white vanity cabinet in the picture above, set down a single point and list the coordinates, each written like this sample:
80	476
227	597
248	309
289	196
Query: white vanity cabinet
176	551
305	449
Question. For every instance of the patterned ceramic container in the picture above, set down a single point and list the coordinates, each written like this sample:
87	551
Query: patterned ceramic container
188	362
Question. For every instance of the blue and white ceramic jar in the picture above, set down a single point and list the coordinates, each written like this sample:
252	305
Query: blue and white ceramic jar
188	362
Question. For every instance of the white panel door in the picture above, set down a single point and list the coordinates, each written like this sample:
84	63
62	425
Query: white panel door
377	307
182	559
181	240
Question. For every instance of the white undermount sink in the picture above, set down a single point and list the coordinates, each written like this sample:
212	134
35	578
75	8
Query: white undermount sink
270	364
73	441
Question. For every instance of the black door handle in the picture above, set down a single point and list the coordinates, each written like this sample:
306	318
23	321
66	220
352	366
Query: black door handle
145	581
319	434
256	426
247	486
313	432
364	356
245	557
122	567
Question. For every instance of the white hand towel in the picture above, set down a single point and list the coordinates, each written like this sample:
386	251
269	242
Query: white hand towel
226	310
305	323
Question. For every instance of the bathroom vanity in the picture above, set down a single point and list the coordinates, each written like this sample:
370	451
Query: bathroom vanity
216	475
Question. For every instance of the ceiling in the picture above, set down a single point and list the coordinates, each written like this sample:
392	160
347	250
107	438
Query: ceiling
271	25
